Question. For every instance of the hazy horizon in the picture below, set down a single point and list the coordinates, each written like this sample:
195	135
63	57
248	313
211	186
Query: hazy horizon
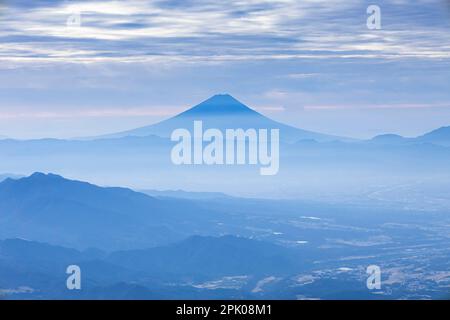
99	133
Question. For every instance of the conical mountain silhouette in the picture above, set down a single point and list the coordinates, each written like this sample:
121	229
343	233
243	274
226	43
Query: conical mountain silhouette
223	112
218	105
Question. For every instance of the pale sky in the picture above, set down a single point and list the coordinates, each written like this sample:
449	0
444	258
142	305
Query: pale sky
313	64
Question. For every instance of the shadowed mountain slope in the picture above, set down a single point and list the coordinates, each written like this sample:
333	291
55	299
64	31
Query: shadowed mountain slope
49	208
223	112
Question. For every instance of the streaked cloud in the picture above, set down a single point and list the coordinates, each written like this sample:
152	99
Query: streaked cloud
92	113
378	106
207	30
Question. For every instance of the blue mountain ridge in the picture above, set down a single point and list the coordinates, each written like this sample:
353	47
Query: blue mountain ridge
53	209
223	112
39	269
440	137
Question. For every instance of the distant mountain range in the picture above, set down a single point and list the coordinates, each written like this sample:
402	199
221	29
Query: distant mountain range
223	112
226	112
133	246
309	162
439	136
306	167
31	269
180	194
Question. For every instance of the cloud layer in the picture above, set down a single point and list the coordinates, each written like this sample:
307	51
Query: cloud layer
212	30
310	63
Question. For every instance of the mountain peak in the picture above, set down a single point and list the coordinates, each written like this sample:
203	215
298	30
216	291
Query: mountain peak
38	175
44	177
223	111
219	104
222	95
37	178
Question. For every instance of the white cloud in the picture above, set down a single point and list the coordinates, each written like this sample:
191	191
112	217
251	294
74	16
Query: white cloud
157	111
211	30
378	106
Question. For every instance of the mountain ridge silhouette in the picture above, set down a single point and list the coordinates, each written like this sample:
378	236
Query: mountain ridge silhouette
223	111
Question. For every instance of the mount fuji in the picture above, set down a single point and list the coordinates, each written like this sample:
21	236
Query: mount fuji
224	112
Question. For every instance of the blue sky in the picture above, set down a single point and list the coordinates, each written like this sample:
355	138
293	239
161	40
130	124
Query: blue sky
313	64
